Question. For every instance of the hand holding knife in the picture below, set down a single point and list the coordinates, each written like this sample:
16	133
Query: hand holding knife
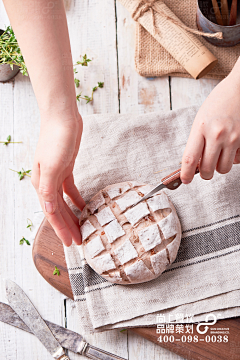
30	320
171	182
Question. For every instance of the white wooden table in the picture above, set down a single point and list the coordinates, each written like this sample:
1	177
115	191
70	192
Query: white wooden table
104	31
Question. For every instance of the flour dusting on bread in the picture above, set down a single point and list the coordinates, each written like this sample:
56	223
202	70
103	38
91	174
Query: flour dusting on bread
125	244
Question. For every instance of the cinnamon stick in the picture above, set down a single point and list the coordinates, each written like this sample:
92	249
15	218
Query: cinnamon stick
224	9
217	12
233	13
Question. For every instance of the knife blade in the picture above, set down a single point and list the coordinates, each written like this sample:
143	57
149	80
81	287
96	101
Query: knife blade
29	314
67	338
171	182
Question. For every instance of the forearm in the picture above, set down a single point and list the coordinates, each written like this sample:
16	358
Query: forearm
41	29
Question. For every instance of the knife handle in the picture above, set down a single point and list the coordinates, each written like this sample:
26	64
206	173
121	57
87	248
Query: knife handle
173	181
94	353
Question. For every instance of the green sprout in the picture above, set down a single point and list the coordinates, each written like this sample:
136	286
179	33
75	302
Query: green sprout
10	52
24	240
77	82
29	224
8	141
56	271
84	62
22	173
87	98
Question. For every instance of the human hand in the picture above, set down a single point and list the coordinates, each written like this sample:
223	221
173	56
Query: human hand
54	159
215	134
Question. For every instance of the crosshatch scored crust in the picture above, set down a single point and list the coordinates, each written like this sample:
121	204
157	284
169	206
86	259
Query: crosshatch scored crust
129	245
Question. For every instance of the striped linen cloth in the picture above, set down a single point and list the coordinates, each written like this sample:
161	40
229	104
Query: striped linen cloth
205	277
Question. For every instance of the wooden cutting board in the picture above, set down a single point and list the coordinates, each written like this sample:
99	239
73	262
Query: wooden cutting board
48	252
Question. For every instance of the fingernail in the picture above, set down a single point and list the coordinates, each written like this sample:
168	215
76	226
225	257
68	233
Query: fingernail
49	207
186	182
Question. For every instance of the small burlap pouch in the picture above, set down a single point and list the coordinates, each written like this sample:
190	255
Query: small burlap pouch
151	59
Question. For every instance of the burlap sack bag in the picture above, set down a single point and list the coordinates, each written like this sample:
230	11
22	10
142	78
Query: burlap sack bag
151	59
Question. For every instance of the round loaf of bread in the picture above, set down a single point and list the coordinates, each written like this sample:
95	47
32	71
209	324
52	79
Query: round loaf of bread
129	245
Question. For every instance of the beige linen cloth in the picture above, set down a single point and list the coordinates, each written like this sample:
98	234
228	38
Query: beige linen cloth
205	276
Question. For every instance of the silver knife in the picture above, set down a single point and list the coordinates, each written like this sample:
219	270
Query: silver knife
25	316
171	182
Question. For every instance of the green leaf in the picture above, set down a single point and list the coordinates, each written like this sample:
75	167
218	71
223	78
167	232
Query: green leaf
123	330
22	173
87	98
100	84
22	241
77	82
8	140
85	61
29	224
75	71
95	88
56	271
78	97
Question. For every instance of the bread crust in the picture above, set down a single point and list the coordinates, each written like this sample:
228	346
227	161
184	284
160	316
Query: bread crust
129	245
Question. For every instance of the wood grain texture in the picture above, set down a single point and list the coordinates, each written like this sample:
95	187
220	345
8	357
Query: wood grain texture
188	350
19	118
92	31
173	181
187	92
111	341
19	201
16	262
137	94
8	338
45	253
105	31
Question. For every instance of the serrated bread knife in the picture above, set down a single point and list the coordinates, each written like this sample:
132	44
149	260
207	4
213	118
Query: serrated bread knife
171	182
30	320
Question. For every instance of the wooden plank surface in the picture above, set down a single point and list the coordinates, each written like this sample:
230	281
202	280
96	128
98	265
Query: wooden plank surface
92	31
105	31
19	118
136	93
